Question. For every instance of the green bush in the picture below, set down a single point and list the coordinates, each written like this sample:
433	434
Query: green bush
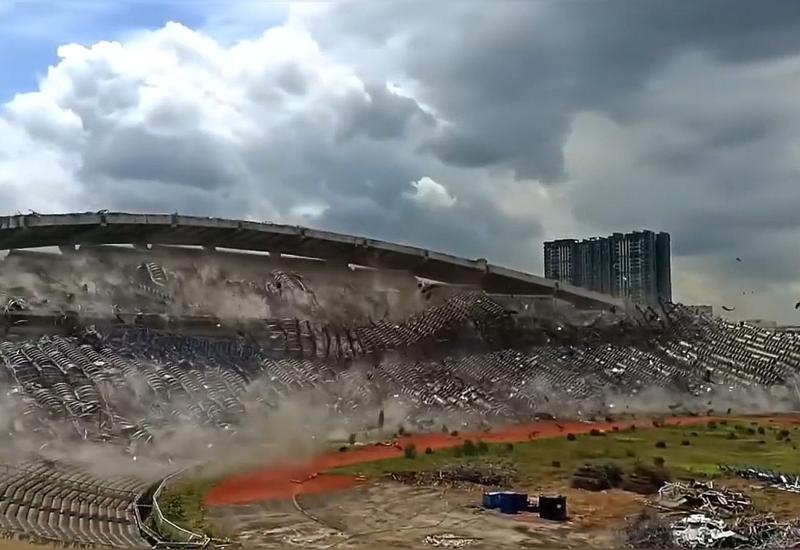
469	448
410	451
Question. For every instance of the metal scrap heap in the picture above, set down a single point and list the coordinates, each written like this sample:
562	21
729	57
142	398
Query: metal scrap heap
775	480
702	497
709	518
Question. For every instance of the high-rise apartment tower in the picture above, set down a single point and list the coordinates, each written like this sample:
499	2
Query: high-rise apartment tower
634	265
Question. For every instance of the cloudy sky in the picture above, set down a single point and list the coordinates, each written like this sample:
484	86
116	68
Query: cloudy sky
479	128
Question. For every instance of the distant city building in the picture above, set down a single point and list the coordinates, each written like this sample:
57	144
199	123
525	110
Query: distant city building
634	265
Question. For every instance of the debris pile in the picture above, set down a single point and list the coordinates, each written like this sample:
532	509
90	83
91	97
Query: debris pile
488	475
701	531
645	480
596	477
709	518
600	477
448	540
649	530
702	497
776	480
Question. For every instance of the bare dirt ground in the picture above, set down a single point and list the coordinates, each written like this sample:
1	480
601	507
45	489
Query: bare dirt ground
393	515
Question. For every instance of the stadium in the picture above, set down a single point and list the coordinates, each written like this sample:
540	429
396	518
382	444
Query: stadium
137	348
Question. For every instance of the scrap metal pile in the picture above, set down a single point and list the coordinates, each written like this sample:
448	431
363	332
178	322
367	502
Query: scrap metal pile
769	478
703	498
709	518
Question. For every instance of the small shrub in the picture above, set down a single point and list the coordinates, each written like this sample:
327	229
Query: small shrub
629	453
596	433
508	447
685	443
556	464
482	447
609	419
723	422
454	433
658	423
342	449
633	427
750	431
783	434
732	435
352	439
428	451
571	437
615	428
613	473
761	442
469	448
658	461
694	434
661	444
401	430
410	451
760	430
712	425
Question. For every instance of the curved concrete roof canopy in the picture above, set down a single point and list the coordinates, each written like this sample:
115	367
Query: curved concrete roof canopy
102	228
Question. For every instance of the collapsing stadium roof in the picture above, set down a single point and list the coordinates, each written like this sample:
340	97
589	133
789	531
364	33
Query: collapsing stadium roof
39	230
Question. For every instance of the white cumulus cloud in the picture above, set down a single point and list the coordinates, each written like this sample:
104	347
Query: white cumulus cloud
431	193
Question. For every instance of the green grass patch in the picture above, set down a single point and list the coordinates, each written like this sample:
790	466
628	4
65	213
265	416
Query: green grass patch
181	502
534	459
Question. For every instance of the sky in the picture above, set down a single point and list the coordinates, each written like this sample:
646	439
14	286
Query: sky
479	128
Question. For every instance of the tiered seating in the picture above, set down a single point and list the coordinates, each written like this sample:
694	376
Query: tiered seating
54	502
126	387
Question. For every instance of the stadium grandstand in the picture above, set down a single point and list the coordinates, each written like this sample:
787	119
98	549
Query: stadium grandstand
122	365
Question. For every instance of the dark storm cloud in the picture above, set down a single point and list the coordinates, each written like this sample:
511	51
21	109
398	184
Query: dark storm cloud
510	78
379	114
488	234
135	153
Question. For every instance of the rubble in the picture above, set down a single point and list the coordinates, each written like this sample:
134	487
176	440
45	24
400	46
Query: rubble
701	531
769	478
648	530
488	475
448	540
697	496
709	518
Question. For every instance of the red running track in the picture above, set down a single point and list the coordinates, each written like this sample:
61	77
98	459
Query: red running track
283	481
